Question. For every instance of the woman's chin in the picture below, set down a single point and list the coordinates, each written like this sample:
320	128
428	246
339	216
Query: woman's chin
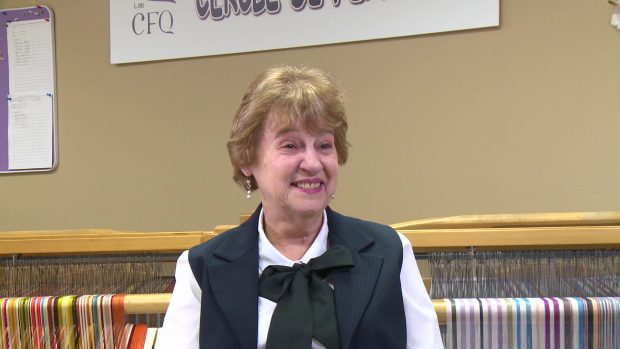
307	206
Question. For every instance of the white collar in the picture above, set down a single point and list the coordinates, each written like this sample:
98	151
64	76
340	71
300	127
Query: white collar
269	255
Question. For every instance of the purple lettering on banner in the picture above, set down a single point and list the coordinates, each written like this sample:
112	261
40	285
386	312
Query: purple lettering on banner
315	4
245	6
357	2
153	20
227	6
273	6
166	21
336	3
258	7
150	21
133	23
202	7
217	12
298	5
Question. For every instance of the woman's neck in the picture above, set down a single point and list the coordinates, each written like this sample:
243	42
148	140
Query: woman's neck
294	237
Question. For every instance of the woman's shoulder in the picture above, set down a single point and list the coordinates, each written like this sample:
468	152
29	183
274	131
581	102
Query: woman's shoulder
240	237
216	242
377	231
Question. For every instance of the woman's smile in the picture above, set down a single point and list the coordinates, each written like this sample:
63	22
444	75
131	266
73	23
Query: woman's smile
309	185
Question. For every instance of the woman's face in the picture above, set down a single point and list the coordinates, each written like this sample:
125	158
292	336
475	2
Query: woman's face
296	170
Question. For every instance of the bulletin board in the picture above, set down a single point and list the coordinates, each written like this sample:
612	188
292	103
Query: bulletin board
28	135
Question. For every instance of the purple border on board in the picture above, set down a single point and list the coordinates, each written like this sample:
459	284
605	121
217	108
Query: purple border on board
22	14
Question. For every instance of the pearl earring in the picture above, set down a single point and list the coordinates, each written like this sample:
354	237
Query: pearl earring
248	188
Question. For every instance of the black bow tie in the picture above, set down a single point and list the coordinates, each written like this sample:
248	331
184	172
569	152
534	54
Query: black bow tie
305	306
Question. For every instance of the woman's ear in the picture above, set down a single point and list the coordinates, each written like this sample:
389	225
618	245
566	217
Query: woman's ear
246	171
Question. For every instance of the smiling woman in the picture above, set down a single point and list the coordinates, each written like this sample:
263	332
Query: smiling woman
298	172
297	274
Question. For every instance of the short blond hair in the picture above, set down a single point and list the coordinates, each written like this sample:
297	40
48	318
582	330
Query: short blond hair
291	94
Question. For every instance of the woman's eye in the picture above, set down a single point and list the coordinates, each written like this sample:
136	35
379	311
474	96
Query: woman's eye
289	146
326	146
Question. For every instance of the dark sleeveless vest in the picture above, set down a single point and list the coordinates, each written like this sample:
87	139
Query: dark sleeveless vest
369	303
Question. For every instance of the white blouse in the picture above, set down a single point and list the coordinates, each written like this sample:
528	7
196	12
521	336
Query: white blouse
182	321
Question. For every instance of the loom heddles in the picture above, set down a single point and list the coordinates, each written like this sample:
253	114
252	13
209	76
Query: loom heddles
86	274
539	273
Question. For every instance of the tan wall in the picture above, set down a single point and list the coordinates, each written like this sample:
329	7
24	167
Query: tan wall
520	118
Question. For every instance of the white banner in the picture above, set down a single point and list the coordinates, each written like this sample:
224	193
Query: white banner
144	30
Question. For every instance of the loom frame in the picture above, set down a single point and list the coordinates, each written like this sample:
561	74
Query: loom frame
566	230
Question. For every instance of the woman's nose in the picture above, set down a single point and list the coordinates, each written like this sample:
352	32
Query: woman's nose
311	162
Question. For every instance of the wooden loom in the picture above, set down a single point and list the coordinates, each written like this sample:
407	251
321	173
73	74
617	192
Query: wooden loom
582	230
